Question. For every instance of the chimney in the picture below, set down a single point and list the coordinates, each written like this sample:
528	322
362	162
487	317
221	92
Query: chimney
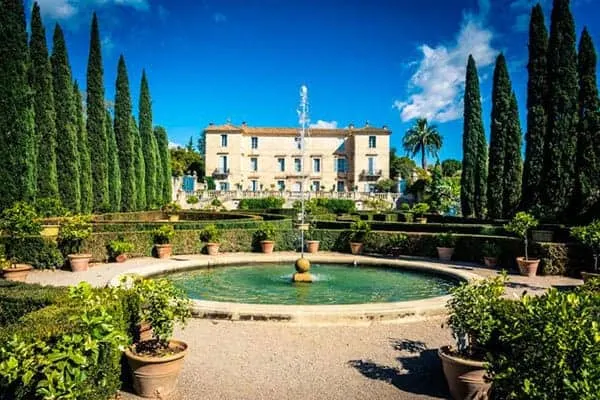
243	124
351	126
366	124
211	123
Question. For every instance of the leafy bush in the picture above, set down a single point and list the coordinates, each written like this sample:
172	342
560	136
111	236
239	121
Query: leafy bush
420	209
210	234
20	221
72	232
491	249
265	231
216	202
39	252
359	230
170	208
547	347
445	239
118	247
264	203
18	299
589	235
192	200
50	207
520	225
163	235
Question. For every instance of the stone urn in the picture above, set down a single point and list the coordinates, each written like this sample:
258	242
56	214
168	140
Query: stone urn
312	246
121	258
466	378
490	262
156	377
79	262
528	267
445	253
421	220
212	249
356	247
267	246
16	272
164	250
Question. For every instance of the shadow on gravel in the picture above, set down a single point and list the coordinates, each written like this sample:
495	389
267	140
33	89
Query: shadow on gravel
418	372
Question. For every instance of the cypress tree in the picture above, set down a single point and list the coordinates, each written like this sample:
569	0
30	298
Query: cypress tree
474	165
501	109
98	143
148	142
125	140
513	164
17	132
43	103
165	169
114	170
536	111
85	165
587	171
67	155
561	134
140	167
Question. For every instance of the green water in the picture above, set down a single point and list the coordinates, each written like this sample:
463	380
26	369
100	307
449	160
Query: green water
335	284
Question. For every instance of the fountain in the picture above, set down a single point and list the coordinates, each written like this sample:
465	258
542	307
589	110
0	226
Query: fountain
302	264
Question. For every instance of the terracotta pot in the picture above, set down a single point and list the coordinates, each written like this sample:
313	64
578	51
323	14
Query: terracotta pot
586	276
312	246
267	246
356	247
528	267
121	258
465	377
490	262
421	220
156	377
79	262
212	249
445	253
18	273
164	250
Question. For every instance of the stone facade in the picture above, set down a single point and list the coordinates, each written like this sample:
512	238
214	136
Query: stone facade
254	158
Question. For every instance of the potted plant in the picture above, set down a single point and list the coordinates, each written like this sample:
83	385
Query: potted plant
589	235
211	235
359	230
312	245
472	319
155	363
445	245
265	235
19	223
419	210
520	225
491	252
71	234
171	210
162	241
118	249
406	212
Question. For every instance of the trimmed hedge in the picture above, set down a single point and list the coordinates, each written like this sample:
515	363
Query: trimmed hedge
469	229
41	253
18	299
264	203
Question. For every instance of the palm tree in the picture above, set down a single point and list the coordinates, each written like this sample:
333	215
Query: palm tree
422	138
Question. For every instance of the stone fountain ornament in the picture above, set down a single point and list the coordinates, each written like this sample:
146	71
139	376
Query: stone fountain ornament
302	264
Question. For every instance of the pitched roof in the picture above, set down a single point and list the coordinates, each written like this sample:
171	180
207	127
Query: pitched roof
286	131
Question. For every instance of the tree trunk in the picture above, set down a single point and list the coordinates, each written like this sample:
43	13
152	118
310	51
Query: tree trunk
423	159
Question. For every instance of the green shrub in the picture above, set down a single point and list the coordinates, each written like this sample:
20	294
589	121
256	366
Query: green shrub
548	347
265	231
446	239
359	229
50	207
170	208
589	235
119	246
72	232
210	234
20	221
163	235
39	252
192	200
491	249
216	202
420	209
18	299
520	225
262	203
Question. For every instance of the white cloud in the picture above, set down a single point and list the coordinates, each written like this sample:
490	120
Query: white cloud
522	9
437	85
324	124
66	9
219	17
173	145
108	44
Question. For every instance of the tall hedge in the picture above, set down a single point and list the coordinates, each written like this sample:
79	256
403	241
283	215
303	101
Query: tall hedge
43	103
148	142
561	134
67	155
474	165
17	135
140	167
125	142
114	170
165	163
85	164
95	120
512	161
587	170
537	90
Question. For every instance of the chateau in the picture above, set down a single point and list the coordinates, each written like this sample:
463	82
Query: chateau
260	158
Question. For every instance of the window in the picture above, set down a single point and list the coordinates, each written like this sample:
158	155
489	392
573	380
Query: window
223	140
281	185
222	164
340	186
316	186
297	164
340	165
224	186
254	185
372	142
371	165
316	165
297	187
281	163
254	164
254	142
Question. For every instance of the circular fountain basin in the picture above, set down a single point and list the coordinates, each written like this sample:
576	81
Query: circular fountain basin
258	287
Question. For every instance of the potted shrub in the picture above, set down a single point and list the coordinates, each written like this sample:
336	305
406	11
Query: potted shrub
419	210
172	211
155	363
162	241
265	235
445	245
211	235
312	245
491	252
520	225
471	317
19	223
589	235
118	249
359	230
71	234
406	212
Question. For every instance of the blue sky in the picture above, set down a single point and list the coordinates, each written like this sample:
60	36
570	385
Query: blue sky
381	61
